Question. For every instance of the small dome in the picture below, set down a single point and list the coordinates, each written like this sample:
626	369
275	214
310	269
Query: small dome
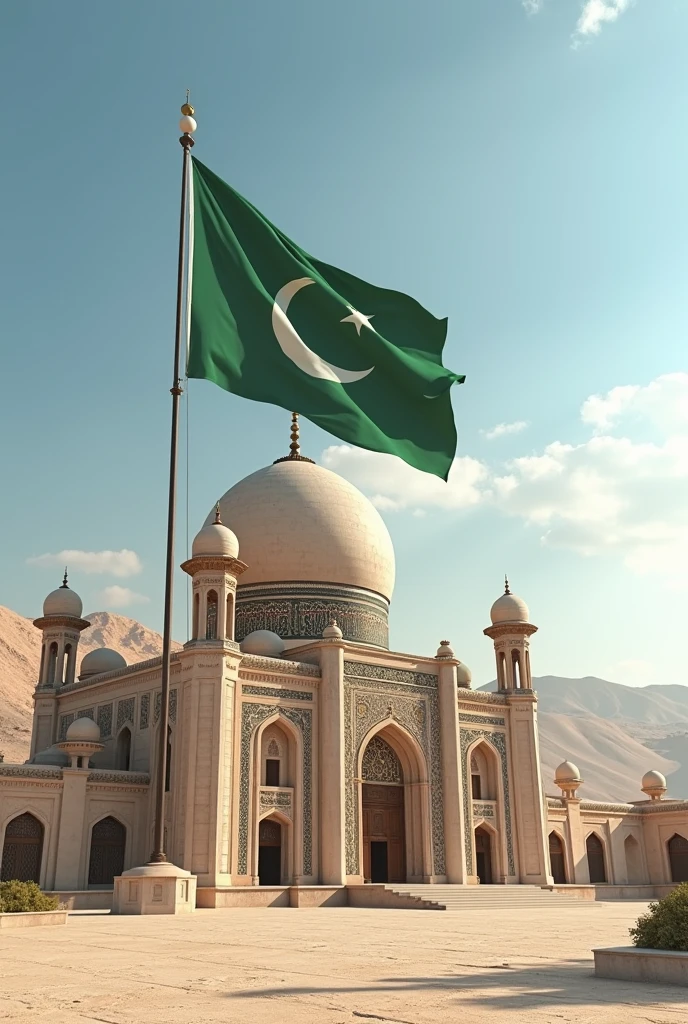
264	643
444	650
332	631
509	608
567	772
52	756
83	730
463	675
215	539
654	780
103	659
63	601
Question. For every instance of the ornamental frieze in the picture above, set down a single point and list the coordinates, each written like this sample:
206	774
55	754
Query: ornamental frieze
498	742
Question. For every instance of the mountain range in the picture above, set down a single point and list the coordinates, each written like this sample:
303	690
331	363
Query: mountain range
613	733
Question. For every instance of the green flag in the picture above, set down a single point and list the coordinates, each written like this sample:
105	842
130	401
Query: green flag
273	324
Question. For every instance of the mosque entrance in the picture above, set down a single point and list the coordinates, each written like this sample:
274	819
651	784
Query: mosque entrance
383	833
483	856
678	858
269	852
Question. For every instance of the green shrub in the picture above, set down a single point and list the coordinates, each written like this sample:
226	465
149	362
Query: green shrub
16	897
665	926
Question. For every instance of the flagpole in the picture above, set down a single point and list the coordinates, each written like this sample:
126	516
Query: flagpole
187	126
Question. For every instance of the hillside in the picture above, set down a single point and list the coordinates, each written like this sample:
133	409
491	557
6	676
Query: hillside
20	655
614	733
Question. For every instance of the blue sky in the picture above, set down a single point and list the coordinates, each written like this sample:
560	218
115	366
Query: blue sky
518	167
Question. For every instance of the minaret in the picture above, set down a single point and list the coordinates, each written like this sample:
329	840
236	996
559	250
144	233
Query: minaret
214	566
510	631
61	625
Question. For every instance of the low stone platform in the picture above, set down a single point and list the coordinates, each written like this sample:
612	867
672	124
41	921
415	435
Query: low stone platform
33	919
631	963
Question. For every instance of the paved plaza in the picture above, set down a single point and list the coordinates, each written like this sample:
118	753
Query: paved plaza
330	966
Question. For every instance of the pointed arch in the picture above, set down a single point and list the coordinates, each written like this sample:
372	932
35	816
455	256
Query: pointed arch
415	808
123	750
635	870
106	851
22	848
677	849
482	755
595	850
211	615
557	857
291	777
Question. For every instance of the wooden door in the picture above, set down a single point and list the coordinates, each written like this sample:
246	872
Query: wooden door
22	849
383	822
556	859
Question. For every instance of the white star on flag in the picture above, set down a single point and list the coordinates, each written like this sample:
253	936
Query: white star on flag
359	319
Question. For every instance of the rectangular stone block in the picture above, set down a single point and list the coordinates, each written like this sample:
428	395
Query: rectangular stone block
630	963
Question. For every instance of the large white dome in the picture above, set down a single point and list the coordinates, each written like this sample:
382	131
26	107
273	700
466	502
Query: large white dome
63	601
299	522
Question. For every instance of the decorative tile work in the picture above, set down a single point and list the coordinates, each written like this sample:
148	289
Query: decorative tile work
172	706
122	778
105	720
270	799
125	711
362	670
275	691
480	719
498	741
66	721
144	711
252	715
380	763
284	666
416	708
30	771
483	810
301	612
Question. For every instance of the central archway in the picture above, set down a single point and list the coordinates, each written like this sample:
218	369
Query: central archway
395	813
383	814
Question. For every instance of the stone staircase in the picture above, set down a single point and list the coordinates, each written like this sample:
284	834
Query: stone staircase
487	897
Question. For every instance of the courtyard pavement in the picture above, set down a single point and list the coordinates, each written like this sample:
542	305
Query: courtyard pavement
330	966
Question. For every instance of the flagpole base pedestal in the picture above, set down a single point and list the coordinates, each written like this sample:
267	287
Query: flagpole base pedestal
155	889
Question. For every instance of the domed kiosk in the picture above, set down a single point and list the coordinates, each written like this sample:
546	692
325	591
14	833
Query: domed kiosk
316	549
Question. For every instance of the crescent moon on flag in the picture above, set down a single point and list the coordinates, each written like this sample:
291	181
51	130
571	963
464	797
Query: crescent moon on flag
296	349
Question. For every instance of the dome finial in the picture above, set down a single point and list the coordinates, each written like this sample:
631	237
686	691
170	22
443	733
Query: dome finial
506	584
295	447
217	514
65	585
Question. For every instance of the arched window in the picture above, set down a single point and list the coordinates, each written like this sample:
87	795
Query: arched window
52	662
67	665
678	858
123	750
108	839
516	669
211	616
196	614
22	850
229	627
168	762
40	674
556	859
503	681
483	771
596	865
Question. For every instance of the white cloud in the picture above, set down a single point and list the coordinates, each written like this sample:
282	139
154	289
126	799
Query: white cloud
663	402
596	13
392	484
116	563
532	6
609	495
504	428
121	597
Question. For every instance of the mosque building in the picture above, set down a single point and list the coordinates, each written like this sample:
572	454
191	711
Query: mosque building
307	762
